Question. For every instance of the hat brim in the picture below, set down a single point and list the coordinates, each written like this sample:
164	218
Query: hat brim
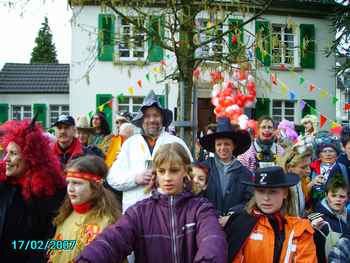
292	179
167	116
241	140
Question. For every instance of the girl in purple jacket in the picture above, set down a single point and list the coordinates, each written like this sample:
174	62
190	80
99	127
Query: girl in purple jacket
172	226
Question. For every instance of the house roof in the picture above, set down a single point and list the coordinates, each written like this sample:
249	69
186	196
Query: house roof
34	78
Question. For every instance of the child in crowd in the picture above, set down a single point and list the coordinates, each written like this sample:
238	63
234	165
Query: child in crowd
331	219
87	210
267	231
200	177
173	225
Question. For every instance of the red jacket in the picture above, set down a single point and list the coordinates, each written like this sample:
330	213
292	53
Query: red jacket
73	151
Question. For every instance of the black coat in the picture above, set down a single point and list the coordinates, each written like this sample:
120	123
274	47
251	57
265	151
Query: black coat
25	220
335	223
236	193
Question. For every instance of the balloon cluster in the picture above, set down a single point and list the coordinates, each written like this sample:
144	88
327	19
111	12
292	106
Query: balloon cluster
231	97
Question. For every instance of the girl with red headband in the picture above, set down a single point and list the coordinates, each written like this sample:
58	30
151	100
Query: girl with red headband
32	188
87	209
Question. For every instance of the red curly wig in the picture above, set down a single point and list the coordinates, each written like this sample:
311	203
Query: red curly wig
44	176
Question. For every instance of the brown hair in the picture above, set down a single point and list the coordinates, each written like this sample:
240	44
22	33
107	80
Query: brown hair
170	153
288	206
103	201
265	118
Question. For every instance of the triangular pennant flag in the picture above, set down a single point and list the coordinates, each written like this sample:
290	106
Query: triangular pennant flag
101	108
139	83
273	78
162	62
323	93
283	89
131	90
110	104
147	76
291	95
312	87
334	100
267	70
120	98
301	80
156	70
302	104
346	106
334	124
90	114
323	120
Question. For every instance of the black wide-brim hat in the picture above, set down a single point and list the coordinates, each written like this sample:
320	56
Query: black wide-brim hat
241	138
152	100
272	177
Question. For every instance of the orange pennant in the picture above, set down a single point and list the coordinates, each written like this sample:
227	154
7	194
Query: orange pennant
312	87
274	78
139	83
110	104
323	120
347	106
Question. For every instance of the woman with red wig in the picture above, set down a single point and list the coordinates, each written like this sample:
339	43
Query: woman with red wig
31	190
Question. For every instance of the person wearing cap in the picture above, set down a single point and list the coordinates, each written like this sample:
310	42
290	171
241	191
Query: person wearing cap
87	209
32	188
263	151
324	168
266	230
67	146
225	171
132	170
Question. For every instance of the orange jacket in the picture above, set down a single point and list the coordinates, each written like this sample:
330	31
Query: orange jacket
114	149
298	245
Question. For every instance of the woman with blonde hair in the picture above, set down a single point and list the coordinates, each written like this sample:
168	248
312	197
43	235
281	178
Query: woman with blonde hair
297	160
266	228
173	225
87	209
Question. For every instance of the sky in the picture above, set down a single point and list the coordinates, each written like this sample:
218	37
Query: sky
18	31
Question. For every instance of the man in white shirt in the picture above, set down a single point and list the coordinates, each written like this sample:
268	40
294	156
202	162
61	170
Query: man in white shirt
132	170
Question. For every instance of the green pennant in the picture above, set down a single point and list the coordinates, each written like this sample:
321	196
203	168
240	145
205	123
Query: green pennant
301	80
267	70
147	76
334	100
90	114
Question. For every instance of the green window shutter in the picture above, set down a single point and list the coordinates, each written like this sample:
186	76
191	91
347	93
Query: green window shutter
4	112
310	108
235	25
156	26
100	100
307	46
262	107
41	110
263	42
106	29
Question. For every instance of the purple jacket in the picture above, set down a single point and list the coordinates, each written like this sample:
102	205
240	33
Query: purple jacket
181	229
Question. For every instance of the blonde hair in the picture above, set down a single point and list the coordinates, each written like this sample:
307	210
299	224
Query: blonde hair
288	206
173	153
293	156
103	201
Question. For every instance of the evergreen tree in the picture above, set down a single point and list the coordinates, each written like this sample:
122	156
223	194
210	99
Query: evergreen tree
45	50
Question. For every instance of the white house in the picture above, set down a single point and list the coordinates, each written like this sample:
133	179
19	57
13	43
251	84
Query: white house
293	35
26	89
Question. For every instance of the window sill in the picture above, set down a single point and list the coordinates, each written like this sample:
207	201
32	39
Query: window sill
130	62
283	67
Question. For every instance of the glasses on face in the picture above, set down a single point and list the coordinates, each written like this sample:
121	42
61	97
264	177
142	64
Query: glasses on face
328	151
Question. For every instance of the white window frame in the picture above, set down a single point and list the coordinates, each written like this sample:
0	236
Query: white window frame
60	111
21	112
283	110
294	48
131	49
202	23
130	104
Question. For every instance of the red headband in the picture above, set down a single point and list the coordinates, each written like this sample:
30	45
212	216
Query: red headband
85	176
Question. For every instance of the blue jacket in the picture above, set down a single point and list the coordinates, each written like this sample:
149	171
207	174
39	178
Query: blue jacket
236	193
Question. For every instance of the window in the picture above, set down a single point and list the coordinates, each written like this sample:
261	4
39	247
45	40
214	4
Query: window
130	104
283	46
283	110
214	48
130	42
57	110
21	112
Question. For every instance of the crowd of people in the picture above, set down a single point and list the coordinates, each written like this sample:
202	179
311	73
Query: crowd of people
138	194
